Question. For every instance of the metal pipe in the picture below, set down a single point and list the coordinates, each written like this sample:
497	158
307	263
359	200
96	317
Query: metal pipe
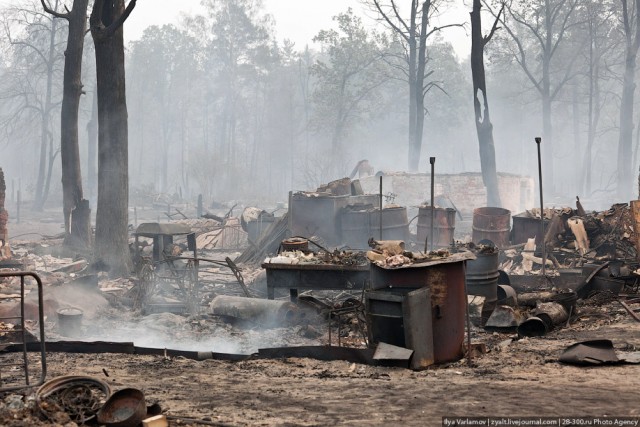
544	249
468	316
432	161
380	207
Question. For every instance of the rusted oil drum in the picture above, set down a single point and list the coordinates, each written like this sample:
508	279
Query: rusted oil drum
395	223
356	229
482	276
482	279
492	224
448	303
444	224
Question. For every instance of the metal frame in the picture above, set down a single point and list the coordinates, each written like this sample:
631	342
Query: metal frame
22	330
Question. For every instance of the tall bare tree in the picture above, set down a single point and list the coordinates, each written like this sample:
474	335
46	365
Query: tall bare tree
484	128
111	246
414	33
539	31
30	90
631	28
73	200
349	76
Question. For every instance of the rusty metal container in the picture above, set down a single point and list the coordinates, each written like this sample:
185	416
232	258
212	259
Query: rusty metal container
482	279
295	244
402	319
70	321
525	227
482	276
125	408
356	228
315	214
444	224
445	280
492	224
395	223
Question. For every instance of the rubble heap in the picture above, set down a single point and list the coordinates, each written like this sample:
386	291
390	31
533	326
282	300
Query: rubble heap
575	237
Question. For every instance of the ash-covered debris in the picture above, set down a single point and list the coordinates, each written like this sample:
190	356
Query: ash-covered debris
574	238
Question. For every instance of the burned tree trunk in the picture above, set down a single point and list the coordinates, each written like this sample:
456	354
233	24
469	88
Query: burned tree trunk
41	192
484	127
92	148
69	149
632	41
111	246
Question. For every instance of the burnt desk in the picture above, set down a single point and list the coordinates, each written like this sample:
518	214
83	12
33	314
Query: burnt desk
315	276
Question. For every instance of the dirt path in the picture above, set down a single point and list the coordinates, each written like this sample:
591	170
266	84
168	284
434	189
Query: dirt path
522	378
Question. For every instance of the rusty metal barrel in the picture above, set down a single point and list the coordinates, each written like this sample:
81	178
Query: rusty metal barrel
356	228
395	223
482	275
492	224
482	279
444	224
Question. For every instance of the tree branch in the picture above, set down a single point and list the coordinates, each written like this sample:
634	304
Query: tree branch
388	20
53	12
111	29
488	37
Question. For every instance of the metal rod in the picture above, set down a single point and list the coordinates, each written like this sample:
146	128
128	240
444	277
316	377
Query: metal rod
380	207
544	249
432	161
468	316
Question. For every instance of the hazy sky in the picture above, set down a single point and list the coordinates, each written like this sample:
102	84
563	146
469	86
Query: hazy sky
298	20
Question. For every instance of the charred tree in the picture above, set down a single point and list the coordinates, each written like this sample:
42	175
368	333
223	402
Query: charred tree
484	128
548	24
42	183
92	149
414	36
111	245
632	43
73	208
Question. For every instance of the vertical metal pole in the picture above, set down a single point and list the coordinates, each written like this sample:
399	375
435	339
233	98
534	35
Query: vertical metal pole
290	215
18	207
432	161
466	301
544	249
380	207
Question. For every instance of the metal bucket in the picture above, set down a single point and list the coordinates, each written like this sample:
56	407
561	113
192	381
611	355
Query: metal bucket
356	228
448	303
395	223
492	224
444	222
70	322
